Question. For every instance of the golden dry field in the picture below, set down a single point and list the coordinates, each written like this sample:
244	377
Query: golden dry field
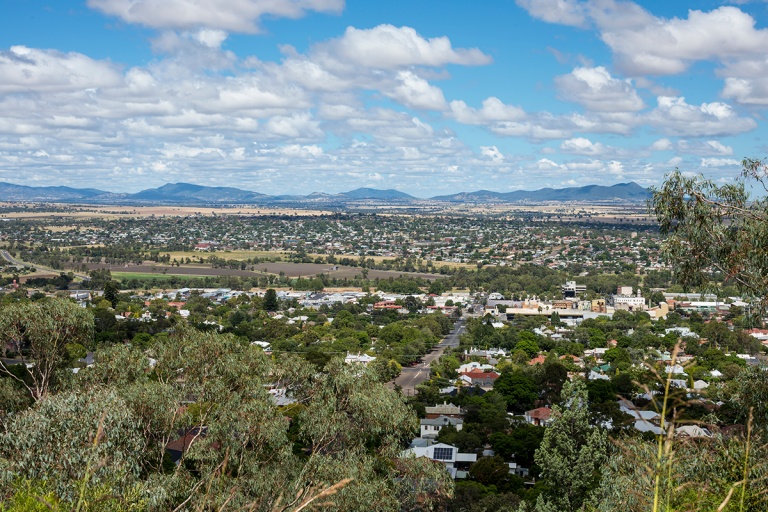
567	212
116	212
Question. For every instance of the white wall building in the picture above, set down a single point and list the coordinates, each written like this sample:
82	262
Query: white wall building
430	428
440	452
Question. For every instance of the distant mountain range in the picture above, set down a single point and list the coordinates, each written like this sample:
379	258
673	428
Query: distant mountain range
621	191
188	193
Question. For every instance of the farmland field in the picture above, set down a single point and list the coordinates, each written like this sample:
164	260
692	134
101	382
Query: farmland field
148	271
159	277
116	212
245	255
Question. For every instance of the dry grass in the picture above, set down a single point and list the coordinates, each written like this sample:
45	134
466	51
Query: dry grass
116	212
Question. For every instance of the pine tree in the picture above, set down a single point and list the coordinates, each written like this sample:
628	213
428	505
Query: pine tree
270	300
110	292
570	453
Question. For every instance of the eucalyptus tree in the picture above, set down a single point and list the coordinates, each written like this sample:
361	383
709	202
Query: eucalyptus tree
45	330
720	228
337	435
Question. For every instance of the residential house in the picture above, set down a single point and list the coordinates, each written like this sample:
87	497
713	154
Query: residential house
573	359
645	421
431	427
692	431
539	417
480	378
472	366
700	385
444	409
441	452
358	358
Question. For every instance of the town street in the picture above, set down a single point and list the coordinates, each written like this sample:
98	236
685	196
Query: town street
411	376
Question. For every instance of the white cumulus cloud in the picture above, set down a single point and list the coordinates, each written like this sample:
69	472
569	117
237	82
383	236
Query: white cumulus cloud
29	69
390	47
673	116
719	162
415	92
597	90
493	110
233	16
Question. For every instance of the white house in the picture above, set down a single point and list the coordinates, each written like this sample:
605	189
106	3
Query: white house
474	365
699	385
676	369
431	427
692	431
681	331
440	452
359	359
645	421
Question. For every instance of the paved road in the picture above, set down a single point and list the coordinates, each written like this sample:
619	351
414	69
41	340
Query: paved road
411	376
10	258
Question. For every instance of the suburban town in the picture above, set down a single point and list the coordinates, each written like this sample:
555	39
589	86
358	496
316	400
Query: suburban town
355	256
479	325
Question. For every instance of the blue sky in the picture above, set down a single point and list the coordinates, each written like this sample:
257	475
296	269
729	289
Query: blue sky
297	96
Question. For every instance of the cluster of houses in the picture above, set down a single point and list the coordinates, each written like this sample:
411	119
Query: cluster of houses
177	299
456	463
456	240
572	309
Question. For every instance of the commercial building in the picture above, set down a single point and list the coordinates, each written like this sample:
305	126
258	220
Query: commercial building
571	289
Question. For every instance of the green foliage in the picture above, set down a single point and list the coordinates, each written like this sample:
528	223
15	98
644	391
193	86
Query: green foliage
552	380
617	355
69	437
702	474
270	300
246	452
74	352
45	328
749	390
472	496
110	292
386	370
601	391
317	358
527	344
521	443
519	390
142	340
720	227
465	441
492	471
570	453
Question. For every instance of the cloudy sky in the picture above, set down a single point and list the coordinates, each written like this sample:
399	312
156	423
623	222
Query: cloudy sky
428	97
